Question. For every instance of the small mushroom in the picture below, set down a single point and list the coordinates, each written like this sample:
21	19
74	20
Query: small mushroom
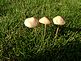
58	20
31	22
44	21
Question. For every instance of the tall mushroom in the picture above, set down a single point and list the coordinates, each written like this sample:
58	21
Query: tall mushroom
44	21
58	20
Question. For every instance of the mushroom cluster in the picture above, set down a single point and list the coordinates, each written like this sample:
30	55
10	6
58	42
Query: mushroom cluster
33	22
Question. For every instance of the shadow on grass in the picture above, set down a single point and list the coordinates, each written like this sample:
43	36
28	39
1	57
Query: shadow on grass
65	30
69	52
73	29
62	30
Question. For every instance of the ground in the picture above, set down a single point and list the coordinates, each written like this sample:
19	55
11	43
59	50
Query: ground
19	43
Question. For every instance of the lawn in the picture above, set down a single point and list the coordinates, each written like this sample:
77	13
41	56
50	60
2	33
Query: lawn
19	43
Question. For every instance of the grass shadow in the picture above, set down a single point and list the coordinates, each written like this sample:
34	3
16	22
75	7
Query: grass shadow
75	29
69	52
65	30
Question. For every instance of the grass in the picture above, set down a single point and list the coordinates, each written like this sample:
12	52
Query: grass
19	43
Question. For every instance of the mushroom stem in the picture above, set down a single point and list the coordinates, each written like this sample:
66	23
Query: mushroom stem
57	30
45	30
35	29
35	32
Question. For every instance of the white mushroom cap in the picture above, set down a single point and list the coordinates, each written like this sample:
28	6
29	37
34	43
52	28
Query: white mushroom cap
58	20
44	20
31	22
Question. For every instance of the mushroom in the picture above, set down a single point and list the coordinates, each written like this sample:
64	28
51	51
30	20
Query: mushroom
44	21
58	20
31	22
